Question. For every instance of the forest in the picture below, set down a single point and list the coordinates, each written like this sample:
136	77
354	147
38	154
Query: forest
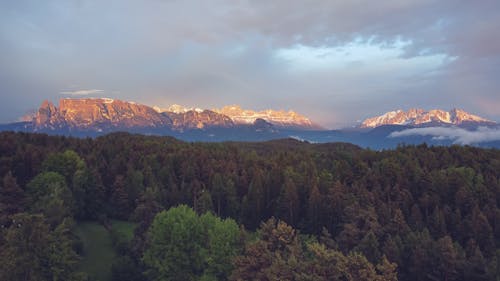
276	210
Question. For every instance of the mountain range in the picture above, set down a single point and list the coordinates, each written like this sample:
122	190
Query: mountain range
98	116
103	114
419	117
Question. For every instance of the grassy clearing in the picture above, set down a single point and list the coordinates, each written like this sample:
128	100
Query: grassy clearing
125	227
98	252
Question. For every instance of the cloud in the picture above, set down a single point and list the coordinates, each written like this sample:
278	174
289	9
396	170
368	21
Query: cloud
331	60
457	135
82	92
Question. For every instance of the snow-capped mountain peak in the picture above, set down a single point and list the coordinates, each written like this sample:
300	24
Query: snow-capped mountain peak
416	117
240	116
280	118
176	108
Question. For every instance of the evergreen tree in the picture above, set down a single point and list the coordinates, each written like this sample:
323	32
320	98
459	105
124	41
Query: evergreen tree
119	199
12	199
447	260
253	203
289	204
204	202
31	251
275	256
369	247
314	211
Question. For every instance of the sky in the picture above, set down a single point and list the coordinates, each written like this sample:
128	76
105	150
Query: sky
336	62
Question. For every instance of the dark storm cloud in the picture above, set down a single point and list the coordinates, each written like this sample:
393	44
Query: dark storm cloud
336	61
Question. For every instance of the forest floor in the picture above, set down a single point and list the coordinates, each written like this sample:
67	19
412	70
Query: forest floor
98	252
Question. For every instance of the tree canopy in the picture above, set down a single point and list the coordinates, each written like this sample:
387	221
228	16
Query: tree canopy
429	213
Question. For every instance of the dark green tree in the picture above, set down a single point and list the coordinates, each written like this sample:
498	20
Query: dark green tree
119	199
12	199
204	202
253	205
50	195
31	251
276	255
369	247
315	211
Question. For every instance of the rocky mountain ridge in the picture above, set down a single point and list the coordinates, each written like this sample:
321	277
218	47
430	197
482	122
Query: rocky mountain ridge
421	117
100	114
97	114
278	118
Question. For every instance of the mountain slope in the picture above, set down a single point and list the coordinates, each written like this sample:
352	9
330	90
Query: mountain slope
195	119
420	117
102	115
97	114
279	118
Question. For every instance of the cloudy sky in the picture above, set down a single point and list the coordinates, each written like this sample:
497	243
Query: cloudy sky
334	61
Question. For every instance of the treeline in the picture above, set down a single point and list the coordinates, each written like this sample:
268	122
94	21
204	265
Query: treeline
433	211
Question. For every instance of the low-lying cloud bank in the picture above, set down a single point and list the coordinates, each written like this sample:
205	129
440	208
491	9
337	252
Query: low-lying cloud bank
457	135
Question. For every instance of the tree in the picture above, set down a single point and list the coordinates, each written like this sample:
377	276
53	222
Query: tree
369	247
224	195
289	204
482	230
447	260
314	211
184	246
391	249
94	195
147	206
253	205
328	264
419	246
335	205
358	268
134	185
438	223
175	241
387	270
274	256
398	223
119	199
50	195
218	192
221	246
31	251
204	202
12	199
65	164
416	217
476	267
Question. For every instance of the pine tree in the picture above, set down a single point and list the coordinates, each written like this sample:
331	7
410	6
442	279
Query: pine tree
253	202
289	204
119	199
447	260
387	270
204	202
314	211
476	267
32	251
12	199
369	247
